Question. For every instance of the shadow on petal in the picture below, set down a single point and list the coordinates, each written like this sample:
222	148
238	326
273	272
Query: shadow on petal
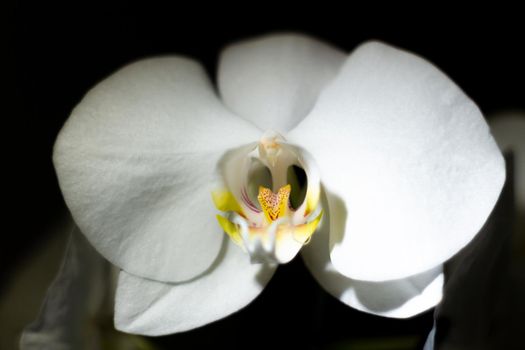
372	294
218	260
261	277
338	217
400	298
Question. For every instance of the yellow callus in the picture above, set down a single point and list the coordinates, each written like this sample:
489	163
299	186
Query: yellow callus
274	205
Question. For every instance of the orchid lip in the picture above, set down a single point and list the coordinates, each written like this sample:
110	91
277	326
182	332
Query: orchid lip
260	183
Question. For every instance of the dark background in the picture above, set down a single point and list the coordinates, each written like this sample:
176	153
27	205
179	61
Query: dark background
60	52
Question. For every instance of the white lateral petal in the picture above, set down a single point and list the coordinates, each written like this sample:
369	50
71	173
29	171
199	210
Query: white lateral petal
400	298
71	302
149	307
411	158
275	80
136	161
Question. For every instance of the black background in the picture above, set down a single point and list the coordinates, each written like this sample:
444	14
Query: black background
61	52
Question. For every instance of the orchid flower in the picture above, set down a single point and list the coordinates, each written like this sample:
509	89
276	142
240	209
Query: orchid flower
374	165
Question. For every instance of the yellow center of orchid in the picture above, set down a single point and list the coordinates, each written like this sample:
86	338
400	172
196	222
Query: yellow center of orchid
274	205
269	228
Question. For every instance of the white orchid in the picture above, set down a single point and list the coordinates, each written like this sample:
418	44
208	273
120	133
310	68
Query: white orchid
374	165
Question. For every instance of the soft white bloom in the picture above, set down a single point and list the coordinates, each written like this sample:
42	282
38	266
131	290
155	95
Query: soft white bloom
378	150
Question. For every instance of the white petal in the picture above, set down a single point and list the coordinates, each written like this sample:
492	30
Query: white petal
136	161
71	302
155	308
400	298
275	80
410	157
